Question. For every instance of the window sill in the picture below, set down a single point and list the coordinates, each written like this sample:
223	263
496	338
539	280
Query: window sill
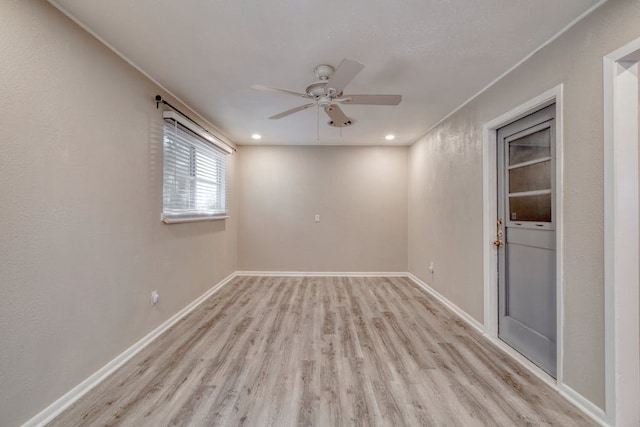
177	219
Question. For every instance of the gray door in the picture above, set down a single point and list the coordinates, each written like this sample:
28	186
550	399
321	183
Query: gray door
526	237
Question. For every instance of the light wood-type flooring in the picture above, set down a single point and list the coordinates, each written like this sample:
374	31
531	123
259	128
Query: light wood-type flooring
321	351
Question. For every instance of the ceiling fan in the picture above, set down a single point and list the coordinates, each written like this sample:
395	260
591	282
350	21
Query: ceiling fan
327	93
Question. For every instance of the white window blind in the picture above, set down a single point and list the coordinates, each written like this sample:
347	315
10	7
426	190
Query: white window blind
195	177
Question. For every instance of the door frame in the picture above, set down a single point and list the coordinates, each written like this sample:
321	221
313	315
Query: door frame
490	253
621	235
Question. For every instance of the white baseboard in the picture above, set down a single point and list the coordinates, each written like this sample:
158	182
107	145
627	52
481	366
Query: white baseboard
586	406
567	392
322	273
53	410
576	399
457	310
502	346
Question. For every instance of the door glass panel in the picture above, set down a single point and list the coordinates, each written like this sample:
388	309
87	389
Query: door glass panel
530	178
530	208
530	147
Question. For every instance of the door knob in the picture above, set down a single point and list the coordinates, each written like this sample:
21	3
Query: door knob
498	243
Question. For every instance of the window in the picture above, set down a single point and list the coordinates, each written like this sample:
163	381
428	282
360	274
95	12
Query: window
195	176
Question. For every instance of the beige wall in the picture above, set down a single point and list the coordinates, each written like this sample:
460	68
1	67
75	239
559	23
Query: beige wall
81	245
445	186
359	192
81	242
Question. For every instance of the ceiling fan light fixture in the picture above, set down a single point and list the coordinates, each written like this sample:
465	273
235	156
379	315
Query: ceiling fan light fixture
390	137
327	92
256	136
341	124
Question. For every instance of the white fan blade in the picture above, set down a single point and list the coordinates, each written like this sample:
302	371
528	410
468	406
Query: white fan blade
275	89
345	72
372	99
336	115
293	110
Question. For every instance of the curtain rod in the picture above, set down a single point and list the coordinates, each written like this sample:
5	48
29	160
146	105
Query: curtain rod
159	100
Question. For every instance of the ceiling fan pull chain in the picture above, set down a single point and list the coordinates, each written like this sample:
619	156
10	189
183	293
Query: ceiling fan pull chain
318	124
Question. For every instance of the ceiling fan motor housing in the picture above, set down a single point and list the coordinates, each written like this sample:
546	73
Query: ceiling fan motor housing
324	72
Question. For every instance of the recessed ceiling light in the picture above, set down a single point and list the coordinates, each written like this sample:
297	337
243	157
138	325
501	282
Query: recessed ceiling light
256	136
390	137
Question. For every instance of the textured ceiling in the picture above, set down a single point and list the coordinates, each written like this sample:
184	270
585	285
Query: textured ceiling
435	53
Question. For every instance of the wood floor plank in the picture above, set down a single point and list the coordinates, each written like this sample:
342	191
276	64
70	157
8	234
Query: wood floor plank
321	351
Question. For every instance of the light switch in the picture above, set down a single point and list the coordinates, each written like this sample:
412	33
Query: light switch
317	217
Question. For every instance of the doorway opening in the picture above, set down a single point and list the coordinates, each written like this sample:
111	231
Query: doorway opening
622	235
491	254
